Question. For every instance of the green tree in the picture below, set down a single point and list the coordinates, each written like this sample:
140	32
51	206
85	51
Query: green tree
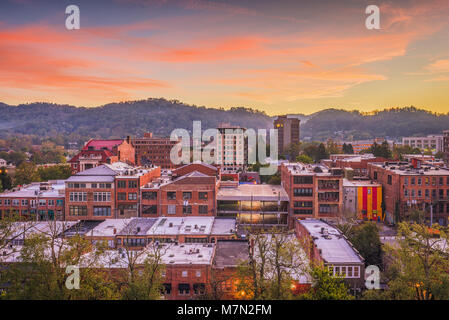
365	238
321	153
326	286
5	179
26	173
303	158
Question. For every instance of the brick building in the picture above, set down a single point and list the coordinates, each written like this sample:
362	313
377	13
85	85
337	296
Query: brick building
153	150
315	191
98	152
193	194
37	201
288	131
107	191
359	163
408	187
363	199
326	245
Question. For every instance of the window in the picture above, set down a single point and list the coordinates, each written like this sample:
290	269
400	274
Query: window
427	193
167	288
43	202
187	209
171	195
202	195
419	193
184	288
198	273
15	202
7	202
105	186
405	193
24	202
102	196
441	181
413	192
389	179
78	210
303	192
406	180
434	193
121	184
102	211
419	181
77	196
121	196
412	180
202	209
426	181
149	209
59	202
187	195
93	185
51	203
375	175
303	204
149	195
303	180
171	209
132	184
132	196
184	274
199	288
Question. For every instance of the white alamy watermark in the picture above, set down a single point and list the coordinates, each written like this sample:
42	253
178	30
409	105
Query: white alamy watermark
72	21
232	147
372	281
73	280
373	20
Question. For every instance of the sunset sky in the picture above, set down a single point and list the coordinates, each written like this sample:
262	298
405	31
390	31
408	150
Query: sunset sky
275	56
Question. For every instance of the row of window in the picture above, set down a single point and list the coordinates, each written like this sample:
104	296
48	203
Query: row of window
122	196
419	181
122	184
82	211
414	193
184	288
92	185
346	271
303	192
186	195
25	202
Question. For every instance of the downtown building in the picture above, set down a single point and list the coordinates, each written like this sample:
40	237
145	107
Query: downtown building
412	186
97	152
314	191
288	131
152	150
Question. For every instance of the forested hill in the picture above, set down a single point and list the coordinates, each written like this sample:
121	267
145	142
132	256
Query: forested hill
161	116
392	123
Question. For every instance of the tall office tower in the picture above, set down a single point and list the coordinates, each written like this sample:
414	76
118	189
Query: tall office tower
288	131
231	147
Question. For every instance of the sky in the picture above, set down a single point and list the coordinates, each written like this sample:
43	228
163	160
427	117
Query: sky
275	56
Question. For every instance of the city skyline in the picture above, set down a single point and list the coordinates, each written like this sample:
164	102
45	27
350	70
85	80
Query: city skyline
281	59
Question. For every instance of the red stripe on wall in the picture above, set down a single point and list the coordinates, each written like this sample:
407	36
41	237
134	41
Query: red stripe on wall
365	200
374	191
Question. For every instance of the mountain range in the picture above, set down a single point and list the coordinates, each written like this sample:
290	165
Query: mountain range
161	116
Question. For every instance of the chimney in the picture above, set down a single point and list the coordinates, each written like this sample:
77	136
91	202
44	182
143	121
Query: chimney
115	230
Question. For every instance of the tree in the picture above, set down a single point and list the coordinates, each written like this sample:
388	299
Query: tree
6	181
57	172
292	151
417	267
326	286
348	149
365	238
26	173
275	260
303	158
321	153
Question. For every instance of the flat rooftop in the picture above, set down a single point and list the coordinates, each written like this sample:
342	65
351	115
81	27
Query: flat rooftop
230	253
246	192
405	169
192	226
109	227
335	248
55	189
138	227
360	183
298	168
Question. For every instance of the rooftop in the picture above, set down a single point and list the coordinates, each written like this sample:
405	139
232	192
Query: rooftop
50	189
267	192
109	227
360	183
405	169
138	226
335	248
299	168
230	253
